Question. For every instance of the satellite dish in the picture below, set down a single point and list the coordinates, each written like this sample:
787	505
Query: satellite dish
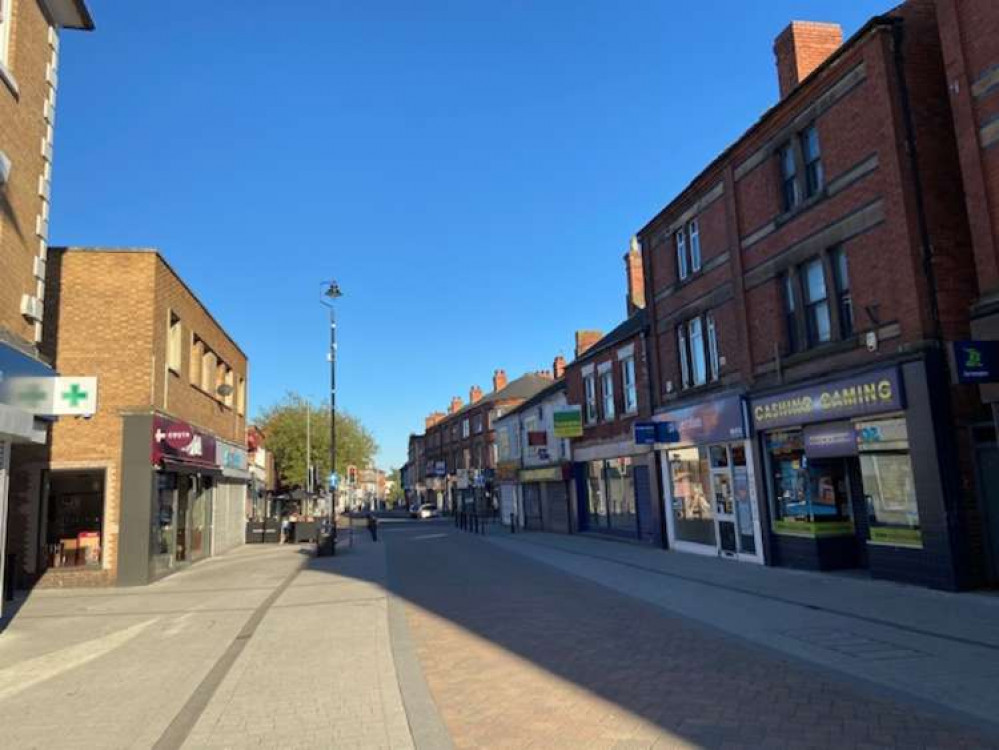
224	390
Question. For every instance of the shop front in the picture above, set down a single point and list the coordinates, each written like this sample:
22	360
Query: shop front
613	490
852	474
232	504
708	475
168	497
506	483
545	493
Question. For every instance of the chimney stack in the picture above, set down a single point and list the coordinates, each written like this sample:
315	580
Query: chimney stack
558	367
433	419
456	403
801	48
546	374
474	394
585	340
499	380
636	277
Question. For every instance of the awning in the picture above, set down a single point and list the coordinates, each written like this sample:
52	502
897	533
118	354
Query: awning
19	426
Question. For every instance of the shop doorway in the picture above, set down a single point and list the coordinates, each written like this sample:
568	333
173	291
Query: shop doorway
183	517
74	529
987	480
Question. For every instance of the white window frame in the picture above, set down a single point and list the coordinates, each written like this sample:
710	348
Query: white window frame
590	391
681	345
695	336
714	368
607	394
6	24
680	243
630	387
694	242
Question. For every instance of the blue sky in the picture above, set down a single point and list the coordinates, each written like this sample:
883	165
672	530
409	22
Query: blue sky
470	172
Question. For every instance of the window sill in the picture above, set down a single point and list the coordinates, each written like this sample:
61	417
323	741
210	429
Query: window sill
821	350
8	78
792	213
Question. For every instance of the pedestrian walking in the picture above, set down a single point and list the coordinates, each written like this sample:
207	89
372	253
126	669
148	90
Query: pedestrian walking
285	529
373	526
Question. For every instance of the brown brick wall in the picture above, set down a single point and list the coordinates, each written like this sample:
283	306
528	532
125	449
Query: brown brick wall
22	129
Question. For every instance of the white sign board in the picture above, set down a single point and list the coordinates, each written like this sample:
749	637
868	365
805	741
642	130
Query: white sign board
51	397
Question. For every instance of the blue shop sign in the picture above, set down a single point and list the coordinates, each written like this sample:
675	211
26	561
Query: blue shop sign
977	361
645	433
232	457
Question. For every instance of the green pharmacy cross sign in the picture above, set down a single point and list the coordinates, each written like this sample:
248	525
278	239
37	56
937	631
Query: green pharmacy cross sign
977	361
51	396
75	395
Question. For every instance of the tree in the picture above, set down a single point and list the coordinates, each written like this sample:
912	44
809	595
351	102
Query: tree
397	492
284	423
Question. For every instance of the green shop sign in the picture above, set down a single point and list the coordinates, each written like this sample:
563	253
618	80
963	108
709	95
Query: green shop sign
896	536
814	529
568	421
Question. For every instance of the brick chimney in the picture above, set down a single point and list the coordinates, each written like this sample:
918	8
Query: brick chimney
558	367
499	380
433	419
636	277
474	394
586	339
801	48
546	374
456	403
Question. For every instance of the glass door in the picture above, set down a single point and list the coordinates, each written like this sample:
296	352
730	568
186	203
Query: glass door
733	498
723	501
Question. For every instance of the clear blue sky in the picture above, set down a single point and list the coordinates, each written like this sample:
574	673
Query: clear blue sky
470	172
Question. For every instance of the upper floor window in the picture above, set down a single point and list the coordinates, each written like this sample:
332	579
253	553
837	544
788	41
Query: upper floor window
844	299
197	354
174	340
687	241
818	326
607	392
6	21
209	368
630	387
697	340
590	389
465	432
813	160
790	191
790	311
241	396
478	424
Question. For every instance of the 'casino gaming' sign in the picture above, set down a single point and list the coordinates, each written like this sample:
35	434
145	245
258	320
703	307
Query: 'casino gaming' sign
873	393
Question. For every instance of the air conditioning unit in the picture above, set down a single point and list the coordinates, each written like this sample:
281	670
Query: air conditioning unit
31	307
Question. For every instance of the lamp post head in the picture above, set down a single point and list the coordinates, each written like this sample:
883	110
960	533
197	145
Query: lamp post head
332	290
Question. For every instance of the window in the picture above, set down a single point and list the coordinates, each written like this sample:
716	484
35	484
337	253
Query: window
682	270
208	369
790	191
813	161
174	341
713	362
817	321
6	18
844	300
230	381
465	432
607	392
694	240
790	312
478	424
698	365
630	388
681	345
590	387
197	355
241	396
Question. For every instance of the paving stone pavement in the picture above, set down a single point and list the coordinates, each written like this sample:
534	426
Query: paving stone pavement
518	654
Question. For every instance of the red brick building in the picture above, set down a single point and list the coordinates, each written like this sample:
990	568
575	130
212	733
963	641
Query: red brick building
459	447
801	291
969	34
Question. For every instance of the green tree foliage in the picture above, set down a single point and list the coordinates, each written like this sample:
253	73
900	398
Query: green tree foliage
284	424
396	493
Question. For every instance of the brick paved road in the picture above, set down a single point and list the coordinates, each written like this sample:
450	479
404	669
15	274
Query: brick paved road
518	654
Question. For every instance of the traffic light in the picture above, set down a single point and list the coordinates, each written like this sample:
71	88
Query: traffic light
351	475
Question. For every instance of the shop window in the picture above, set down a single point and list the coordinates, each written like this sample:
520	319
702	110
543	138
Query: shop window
619	480
174	341
693	518
844	299
809	496
889	486
75	519
590	388
607	393
630	386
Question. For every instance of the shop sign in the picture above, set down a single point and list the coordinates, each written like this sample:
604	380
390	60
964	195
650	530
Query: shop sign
537	438
51	396
547	474
506	471
977	361
180	442
568	421
645	433
830	440
884	434
872	393
232	456
709	422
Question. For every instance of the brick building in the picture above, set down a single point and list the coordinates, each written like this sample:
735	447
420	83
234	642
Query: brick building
801	292
158	477
415	475
29	64
459	446
969	34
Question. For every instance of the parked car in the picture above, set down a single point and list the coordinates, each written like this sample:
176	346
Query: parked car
414	510
428	511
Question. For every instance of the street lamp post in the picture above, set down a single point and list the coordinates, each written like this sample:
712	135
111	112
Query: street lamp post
330	292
